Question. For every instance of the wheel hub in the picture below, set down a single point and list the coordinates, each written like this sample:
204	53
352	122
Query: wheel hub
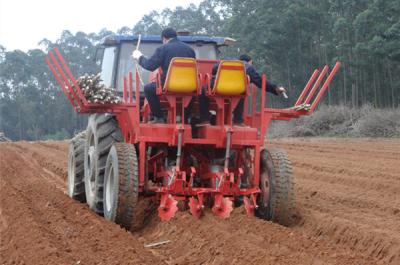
265	188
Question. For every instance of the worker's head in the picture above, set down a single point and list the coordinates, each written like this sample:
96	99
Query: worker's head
167	34
246	58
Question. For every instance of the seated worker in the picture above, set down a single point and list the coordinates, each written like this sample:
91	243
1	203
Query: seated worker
162	57
255	78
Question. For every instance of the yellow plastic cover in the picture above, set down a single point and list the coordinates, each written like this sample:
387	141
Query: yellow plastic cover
230	79
181	76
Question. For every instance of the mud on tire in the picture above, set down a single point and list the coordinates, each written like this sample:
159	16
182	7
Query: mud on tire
276	171
76	174
121	184
102	132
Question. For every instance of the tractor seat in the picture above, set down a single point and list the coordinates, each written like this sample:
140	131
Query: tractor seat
182	77
231	79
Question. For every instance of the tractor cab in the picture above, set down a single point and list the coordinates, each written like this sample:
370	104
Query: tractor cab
118	62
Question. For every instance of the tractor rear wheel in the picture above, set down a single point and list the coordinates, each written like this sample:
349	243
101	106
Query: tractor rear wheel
102	132
121	184
76	174
276	201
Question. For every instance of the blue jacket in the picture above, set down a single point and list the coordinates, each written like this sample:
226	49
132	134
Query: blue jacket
164	54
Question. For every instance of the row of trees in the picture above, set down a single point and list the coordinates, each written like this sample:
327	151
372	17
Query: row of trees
287	39
32	105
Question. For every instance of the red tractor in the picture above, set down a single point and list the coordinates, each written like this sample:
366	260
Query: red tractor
121	158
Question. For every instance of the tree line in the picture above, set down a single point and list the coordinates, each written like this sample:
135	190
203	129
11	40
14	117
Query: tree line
287	40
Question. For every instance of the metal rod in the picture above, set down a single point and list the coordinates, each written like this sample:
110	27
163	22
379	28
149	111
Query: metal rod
137	67
146	168
68	71
125	90
138	42
130	84
228	149
179	152
61	73
307	87
253	99
315	87
262	107
157	244
325	85
140	78
64	77
137	95
61	83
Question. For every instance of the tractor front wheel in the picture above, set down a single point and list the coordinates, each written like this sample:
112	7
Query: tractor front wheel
121	184
276	201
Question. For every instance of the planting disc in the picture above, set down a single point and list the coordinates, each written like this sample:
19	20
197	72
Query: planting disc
195	207
167	208
222	207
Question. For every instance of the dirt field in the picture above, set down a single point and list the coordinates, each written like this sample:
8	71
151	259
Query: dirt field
348	202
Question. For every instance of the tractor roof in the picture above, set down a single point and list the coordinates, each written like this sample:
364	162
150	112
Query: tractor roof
117	39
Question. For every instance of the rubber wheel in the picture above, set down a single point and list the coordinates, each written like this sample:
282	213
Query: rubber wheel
121	184
102	132
276	201
76	174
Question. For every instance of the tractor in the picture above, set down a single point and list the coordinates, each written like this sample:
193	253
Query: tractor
121	158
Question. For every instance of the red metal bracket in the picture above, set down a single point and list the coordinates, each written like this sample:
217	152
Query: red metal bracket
71	89
304	107
325	86
66	80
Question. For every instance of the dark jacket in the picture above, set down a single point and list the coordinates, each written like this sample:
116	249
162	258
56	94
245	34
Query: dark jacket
255	77
164	54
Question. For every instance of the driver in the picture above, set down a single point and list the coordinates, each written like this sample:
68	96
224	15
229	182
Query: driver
162	57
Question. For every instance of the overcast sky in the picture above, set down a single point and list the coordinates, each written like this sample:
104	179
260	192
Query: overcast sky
24	23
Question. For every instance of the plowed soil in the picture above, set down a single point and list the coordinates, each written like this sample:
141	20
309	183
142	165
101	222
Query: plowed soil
348	212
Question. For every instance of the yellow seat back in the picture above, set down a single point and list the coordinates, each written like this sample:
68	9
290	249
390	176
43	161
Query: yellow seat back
181	76
231	78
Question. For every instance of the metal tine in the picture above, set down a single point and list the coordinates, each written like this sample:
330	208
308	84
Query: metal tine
68	73
307	87
325	85
60	80
68	85
315	87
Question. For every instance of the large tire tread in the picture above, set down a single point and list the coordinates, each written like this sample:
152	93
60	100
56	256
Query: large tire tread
284	188
128	184
107	133
281	205
77	147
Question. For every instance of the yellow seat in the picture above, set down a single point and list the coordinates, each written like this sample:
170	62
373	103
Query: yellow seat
231	79
181	76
